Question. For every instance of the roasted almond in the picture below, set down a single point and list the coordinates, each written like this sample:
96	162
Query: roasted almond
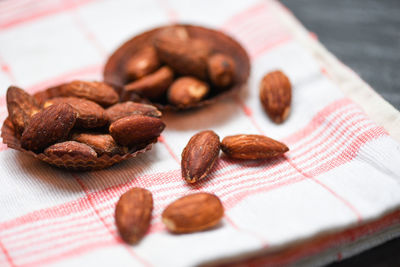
221	70
101	143
90	114
185	56
251	146
72	148
48	126
136	130
186	91
152	86
276	95
98	92
127	108
133	214
199	156
142	63
192	213
21	107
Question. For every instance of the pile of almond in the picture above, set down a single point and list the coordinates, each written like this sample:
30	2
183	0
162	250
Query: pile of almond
178	66
83	121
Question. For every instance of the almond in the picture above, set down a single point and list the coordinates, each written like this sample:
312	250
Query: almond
152	86
71	148
186	91
221	70
90	114
101	143
250	146
48	126
133	214
142	63
21	107
127	108
98	92
199	156
136	129
192	213
185	56
276	95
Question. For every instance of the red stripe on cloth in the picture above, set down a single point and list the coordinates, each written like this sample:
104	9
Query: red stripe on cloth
317	120
332	192
7	70
89	35
252	190
317	245
69	253
169	149
6	254
117	237
264	243
149	181
246	27
242	16
42	12
242	196
160	178
336	195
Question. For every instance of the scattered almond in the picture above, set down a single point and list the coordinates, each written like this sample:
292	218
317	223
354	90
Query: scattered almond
276	95
250	146
199	156
133	214
192	213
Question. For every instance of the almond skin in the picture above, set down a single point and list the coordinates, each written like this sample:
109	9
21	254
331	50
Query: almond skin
185	56
21	107
186	91
98	92
90	114
221	70
199	156
249	146
48	126
127	108
276	95
133	214
192	213
142	63
101	143
152	86
72	148
136	129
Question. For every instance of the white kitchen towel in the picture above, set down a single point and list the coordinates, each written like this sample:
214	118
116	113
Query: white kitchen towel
334	194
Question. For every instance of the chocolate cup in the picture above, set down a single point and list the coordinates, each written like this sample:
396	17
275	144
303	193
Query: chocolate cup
220	43
12	140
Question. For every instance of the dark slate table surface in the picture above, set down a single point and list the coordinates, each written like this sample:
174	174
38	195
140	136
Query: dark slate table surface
365	35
